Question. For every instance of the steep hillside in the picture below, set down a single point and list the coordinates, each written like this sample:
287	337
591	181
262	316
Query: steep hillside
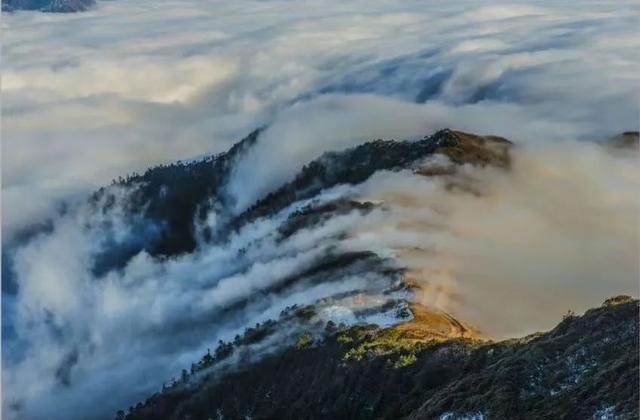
586	367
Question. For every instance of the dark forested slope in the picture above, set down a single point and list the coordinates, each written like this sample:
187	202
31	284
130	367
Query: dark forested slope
586	367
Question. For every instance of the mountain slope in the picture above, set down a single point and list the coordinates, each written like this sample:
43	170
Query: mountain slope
332	296
537	377
585	367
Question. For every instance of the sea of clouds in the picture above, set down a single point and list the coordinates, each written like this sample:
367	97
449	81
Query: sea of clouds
91	96
88	97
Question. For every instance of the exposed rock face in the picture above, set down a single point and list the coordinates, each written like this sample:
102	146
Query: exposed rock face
585	366
56	6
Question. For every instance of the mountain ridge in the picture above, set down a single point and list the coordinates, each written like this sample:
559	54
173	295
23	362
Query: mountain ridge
584	366
290	253
174	196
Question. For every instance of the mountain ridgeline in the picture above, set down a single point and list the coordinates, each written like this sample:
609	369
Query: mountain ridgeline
299	306
172	197
397	358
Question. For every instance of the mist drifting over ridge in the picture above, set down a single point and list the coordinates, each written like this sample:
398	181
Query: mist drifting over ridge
181	82
461	237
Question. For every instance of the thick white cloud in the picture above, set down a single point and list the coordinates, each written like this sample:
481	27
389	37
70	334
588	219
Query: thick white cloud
90	96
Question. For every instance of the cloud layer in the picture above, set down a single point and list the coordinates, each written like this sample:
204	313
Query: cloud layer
88	97
84	103
511	252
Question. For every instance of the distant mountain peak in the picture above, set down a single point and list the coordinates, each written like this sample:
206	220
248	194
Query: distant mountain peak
52	6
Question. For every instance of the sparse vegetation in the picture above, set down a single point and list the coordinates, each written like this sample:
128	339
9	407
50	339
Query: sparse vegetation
618	300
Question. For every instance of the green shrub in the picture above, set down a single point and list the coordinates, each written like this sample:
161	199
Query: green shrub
304	341
405	360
